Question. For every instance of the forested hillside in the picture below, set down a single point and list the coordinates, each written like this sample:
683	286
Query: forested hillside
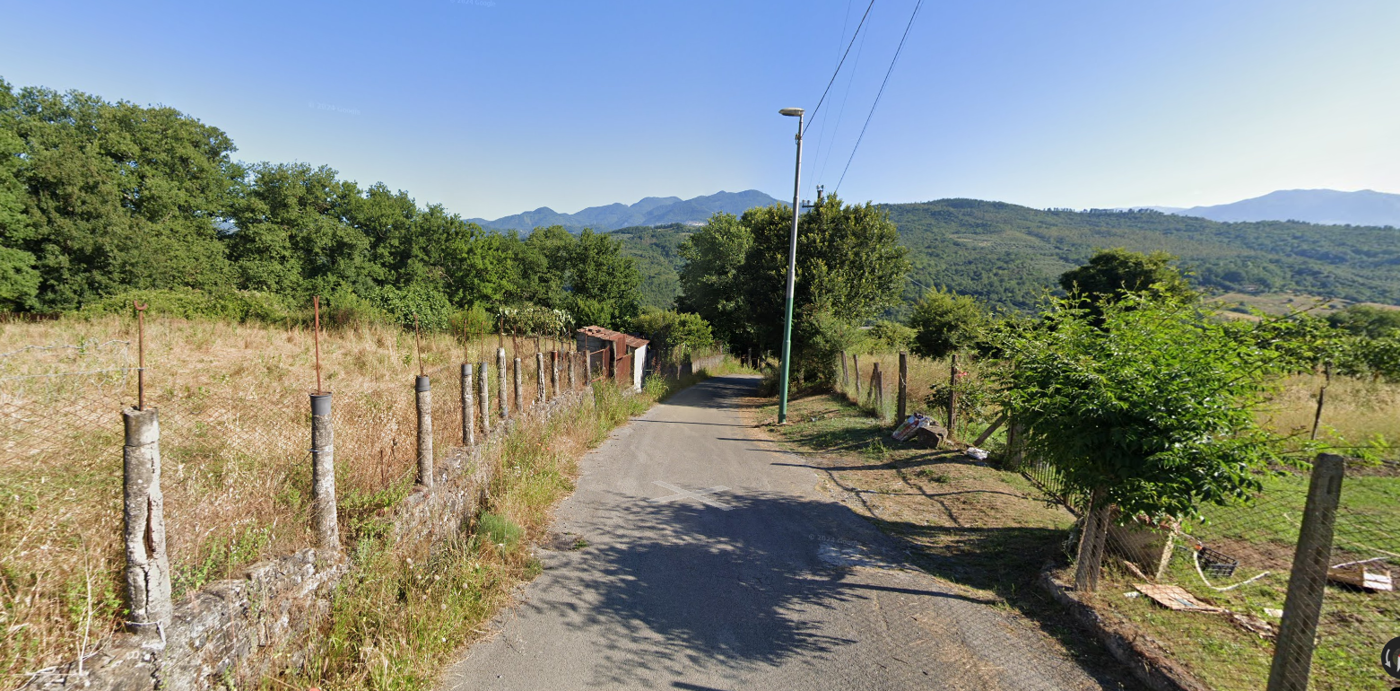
102	202
1007	254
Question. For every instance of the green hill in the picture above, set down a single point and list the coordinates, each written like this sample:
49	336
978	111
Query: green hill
1009	255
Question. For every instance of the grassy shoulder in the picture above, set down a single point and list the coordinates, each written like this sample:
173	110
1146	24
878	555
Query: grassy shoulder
974	526
401	615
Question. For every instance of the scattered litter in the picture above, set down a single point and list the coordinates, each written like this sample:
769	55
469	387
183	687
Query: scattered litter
1132	594
1196	558
1253	624
1136	571
906	429
1275	613
976	453
1355	573
1174	597
1216	563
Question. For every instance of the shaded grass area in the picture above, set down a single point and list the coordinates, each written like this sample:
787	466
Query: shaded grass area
965	522
402	613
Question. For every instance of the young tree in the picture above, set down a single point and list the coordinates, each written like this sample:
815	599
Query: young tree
1149	409
850	266
712	278
1113	274
674	332
945	322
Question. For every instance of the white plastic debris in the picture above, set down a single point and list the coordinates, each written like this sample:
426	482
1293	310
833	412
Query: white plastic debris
976	453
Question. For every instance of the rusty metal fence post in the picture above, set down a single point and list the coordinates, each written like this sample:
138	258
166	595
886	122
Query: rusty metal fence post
323	474
424	397
1307	583
143	518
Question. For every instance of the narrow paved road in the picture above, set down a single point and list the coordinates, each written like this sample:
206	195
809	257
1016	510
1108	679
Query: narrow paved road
713	562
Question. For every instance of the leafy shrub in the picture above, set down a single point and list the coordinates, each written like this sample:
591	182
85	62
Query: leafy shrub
189	303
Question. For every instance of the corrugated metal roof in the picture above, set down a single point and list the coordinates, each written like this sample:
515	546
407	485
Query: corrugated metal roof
610	335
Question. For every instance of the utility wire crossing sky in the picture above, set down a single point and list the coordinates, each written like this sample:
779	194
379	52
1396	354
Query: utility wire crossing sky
492	107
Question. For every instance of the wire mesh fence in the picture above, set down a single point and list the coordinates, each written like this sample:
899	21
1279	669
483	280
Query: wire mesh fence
234	412
1212	592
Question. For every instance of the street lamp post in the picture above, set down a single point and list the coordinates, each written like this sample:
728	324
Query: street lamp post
791	272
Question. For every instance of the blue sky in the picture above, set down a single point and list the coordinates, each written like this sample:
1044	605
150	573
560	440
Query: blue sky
492	107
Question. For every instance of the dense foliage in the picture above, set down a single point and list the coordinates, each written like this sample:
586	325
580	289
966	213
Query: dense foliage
103	201
1009	256
850	267
945	323
674	334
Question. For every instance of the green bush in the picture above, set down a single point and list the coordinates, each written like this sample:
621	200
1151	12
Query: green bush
189	303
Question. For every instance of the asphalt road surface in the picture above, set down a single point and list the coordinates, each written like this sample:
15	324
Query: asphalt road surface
712	561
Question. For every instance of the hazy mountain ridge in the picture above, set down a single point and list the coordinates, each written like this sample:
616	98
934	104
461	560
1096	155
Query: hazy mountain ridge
650	211
1327	207
1010	256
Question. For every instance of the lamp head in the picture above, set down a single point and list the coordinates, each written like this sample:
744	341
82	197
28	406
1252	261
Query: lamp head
792	112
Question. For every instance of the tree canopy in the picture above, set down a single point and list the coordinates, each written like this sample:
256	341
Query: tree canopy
850	267
101	199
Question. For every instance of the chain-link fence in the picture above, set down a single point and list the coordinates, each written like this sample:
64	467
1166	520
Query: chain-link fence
235	428
1228	598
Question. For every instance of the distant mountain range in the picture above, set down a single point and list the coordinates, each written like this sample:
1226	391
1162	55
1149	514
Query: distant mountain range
651	211
1329	207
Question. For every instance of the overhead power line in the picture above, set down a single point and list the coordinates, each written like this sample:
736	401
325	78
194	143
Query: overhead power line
894	60
838	67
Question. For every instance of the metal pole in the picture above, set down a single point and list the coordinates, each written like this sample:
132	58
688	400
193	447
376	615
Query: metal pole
791	275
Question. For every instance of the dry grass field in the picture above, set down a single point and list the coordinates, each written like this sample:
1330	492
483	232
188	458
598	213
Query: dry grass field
234	415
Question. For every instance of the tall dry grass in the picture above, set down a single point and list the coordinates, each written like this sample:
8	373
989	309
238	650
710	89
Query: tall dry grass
234	415
1359	415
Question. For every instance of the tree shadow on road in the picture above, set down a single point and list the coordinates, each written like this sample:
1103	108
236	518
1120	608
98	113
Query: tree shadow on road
684	585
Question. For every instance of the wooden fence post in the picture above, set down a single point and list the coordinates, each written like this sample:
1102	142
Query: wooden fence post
484	394
502	393
953	397
143	523
424	397
855	369
1307	583
554	357
468	407
540	391
519	379
903	386
845	376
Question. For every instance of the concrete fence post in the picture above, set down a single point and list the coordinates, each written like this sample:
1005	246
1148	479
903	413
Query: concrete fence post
502	393
468	406
571	359
554	371
143	514
323	474
587	367
484	394
540	392
903	386
424	397
519	386
1307	583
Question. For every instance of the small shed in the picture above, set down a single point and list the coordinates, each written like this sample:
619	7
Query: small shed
629	352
